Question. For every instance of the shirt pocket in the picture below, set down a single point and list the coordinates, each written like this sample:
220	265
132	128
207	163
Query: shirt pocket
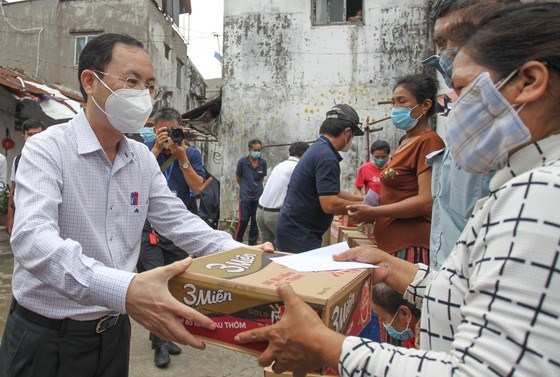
136	217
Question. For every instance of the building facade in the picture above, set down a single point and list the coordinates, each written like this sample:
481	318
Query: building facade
43	39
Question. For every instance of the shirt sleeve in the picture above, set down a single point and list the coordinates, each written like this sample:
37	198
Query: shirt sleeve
13	177
427	146
195	158
169	216
363	357
239	170
36	241
3	172
327	177
359	181
415	291
265	170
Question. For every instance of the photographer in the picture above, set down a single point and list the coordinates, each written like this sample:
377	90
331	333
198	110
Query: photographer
181	165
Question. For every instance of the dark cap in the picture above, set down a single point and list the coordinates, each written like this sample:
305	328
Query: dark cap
348	114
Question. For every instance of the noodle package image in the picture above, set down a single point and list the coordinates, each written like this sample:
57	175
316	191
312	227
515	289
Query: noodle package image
237	290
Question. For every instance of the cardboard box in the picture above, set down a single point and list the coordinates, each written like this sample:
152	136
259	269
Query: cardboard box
237	289
362	242
269	373
352	234
336	228
345	221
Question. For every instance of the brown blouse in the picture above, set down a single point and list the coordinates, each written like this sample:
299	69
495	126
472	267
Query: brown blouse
399	181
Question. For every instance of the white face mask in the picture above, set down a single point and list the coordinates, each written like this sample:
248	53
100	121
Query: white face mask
348	144
126	109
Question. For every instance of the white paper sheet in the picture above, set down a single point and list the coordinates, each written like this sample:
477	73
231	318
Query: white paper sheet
320	260
371	199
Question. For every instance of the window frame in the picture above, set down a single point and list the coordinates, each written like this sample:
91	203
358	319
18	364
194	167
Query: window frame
315	22
76	55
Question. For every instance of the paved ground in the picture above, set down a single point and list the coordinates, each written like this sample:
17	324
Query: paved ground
213	362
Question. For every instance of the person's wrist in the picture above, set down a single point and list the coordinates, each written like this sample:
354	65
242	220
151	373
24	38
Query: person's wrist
328	347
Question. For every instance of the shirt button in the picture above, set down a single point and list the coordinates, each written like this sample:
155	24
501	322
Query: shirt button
111	238
111	206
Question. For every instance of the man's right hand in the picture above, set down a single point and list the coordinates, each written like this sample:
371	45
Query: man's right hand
371	255
161	137
149	302
395	272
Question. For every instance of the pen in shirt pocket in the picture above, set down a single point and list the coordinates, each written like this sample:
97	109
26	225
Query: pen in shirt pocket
134	198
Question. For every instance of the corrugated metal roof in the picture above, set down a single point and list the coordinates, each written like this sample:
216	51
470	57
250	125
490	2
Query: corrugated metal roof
56	102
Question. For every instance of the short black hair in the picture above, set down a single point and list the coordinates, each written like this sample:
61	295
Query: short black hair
380	145
167	114
422	87
334	127
390	300
98	52
32	123
253	142
298	148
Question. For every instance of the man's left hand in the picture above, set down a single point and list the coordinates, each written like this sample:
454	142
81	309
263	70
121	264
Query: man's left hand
178	150
267	247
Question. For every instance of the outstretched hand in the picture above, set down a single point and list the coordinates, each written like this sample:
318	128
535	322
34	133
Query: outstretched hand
299	341
360	213
149	302
267	247
367	254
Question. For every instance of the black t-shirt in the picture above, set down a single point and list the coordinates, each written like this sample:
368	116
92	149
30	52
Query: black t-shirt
251	185
302	222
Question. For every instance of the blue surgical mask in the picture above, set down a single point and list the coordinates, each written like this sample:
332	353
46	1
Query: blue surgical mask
399	335
400	116
148	134
443	63
255	154
380	162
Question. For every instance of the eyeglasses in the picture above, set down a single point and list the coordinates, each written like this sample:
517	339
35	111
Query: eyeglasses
130	82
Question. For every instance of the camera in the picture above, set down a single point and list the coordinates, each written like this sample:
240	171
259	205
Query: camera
176	134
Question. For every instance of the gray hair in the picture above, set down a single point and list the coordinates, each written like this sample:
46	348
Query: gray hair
167	114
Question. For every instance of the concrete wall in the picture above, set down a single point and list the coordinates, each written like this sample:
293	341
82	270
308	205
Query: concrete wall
64	20
281	75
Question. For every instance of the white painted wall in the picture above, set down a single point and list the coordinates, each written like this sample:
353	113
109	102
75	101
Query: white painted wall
281	75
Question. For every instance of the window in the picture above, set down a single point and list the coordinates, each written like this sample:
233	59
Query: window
180	65
325	12
81	42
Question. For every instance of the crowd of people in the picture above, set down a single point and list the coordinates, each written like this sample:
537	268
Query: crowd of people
467	279
488	305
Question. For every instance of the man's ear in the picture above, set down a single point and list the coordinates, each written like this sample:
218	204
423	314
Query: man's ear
87	78
531	82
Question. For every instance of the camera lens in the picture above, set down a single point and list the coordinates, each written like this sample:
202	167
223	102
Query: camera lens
176	134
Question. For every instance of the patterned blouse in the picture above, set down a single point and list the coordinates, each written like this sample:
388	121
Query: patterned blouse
494	308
